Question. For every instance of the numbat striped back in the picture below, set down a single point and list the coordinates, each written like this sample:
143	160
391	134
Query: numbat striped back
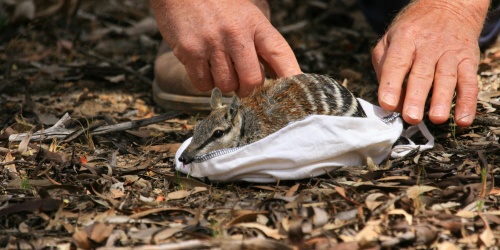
269	108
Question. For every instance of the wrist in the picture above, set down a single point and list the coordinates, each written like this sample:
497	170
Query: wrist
472	13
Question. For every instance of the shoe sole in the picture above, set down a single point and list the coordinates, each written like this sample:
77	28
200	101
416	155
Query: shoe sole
181	102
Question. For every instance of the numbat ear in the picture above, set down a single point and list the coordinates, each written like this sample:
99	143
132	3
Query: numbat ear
233	108
216	100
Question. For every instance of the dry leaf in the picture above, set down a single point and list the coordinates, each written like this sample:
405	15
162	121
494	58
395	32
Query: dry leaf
169	147
199	189
81	240
408	217
371	165
117	193
320	217
116	79
245	216
341	191
181	194
371	200
10	158
166	233
370	232
101	232
446	205
416	159
268	188
346	215
395	177
291	191
415	191
487	238
424	235
466	214
495	191
447	246
23	145
269	232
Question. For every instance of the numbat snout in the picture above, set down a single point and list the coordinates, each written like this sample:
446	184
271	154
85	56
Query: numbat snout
269	108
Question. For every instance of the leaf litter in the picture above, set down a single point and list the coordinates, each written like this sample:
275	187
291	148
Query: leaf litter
89	162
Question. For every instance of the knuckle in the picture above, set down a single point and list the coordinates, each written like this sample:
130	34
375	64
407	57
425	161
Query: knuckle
400	63
231	30
397	62
443	95
252	80
467	100
417	95
408	32
468	84
201	81
268	34
248	85
445	73
468	67
467	91
226	84
235	38
421	75
202	85
187	53
377	54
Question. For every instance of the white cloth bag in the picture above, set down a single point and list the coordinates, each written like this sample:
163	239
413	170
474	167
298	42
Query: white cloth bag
307	148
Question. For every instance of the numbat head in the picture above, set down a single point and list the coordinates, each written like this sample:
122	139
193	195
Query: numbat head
268	109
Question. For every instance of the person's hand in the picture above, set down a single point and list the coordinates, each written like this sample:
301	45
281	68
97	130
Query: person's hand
434	43
222	42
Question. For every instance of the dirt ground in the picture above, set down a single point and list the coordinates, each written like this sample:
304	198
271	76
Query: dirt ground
95	184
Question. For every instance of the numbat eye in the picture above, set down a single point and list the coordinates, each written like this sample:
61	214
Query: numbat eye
218	133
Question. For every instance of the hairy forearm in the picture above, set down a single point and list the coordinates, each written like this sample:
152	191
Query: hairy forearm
473	12
160	10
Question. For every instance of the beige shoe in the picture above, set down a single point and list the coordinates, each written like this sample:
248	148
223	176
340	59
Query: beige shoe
172	89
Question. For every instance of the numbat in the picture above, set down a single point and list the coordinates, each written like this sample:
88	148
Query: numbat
269	108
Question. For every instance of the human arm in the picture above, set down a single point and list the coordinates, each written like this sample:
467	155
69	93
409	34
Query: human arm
222	42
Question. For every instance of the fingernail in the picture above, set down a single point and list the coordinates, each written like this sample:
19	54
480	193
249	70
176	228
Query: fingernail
465	118
413	112
438	111
390	99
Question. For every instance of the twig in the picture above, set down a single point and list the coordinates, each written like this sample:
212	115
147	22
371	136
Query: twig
59	132
56	131
293	27
135	124
18	162
80	131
